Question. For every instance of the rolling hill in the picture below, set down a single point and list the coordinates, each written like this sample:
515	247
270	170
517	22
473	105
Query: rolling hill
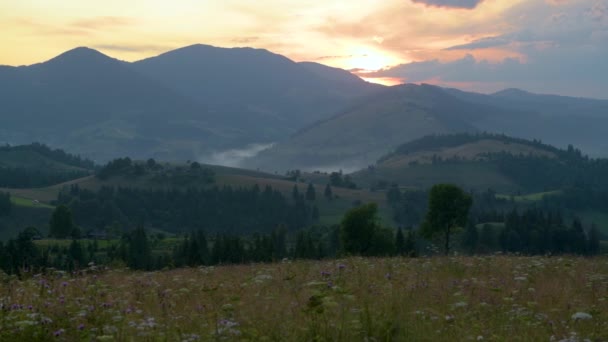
484	161
557	120
33	206
37	165
358	135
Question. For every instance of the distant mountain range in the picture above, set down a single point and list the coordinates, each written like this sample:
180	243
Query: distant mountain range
357	136
197	101
179	105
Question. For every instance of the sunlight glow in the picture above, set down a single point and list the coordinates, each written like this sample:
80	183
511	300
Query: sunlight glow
387	81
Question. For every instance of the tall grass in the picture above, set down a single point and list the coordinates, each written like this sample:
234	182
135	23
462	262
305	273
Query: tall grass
494	298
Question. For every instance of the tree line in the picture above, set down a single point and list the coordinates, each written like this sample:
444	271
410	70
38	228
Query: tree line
532	232
226	209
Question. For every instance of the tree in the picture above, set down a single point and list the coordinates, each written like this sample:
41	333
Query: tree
138	250
400	242
5	203
358	228
448	209
310	192
61	225
327	193
295	193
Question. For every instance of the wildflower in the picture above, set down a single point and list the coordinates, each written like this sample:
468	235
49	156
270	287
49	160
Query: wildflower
459	305
58	333
341	266
387	276
325	274
64	284
581	316
81	326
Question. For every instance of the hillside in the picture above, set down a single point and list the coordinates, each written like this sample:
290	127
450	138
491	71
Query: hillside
96	105
360	134
37	165
483	161
170	195
184	104
267	90
550	118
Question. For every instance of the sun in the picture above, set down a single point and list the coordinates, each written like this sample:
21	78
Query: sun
367	59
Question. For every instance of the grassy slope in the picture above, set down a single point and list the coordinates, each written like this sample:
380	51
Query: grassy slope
32	160
493	298
415	168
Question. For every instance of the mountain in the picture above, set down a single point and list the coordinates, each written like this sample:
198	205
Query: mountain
371	126
559	120
97	106
485	161
183	104
253	89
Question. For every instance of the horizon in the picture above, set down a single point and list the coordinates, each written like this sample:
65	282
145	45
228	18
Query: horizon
542	46
377	80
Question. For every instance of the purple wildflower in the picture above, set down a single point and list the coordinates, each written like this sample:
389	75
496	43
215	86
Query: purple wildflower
325	274
81	326
58	333
341	266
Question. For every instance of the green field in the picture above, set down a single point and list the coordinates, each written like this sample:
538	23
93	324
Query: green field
527	198
492	298
26	202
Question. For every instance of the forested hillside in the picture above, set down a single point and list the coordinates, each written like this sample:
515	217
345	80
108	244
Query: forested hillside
37	165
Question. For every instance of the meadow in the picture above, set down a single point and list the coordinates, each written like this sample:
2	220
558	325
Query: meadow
486	298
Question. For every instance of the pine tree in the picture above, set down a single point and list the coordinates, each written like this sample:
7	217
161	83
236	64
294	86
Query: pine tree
400	242
310	192
138	254
61	224
295	193
328	193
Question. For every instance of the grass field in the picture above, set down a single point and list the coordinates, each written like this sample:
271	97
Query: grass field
527	198
26	202
494	298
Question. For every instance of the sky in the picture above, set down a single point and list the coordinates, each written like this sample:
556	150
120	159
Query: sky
543	46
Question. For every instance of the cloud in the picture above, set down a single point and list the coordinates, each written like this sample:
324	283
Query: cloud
570	72
469	4
133	47
482	43
245	40
103	23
